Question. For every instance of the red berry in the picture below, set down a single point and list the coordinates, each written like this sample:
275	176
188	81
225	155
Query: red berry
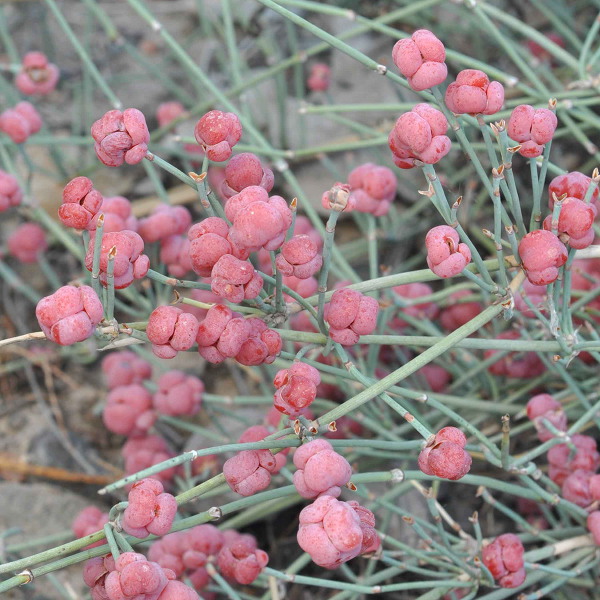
37	76
170	330
217	132
70	314
446	255
321	470
319	78
473	93
19	122
296	388
128	410
150	511
420	59
445	456
350	314
124	368
121	137
542	254
10	192
373	189
419	135
504	558
81	204
245	170
26	242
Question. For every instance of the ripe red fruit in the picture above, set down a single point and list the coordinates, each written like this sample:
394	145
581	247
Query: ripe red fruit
321	470
124	368
544	406
117	215
221	334
446	254
373	189
217	132
593	524
445	456
19	122
209	241
26	242
130	263
10	192
420	59
296	388
168	112
164	221
70	314
576	488
178	394
258	220
334	532
531	128
473	93
143	452
350	314
258	433
542	254
561	464
88	521
170	330
573	184
121	137
504	558
80	204
150	511
419	134
249	471
37	76
95	571
245	170
128	410
457	313
135	577
515	364
574	223
235	279
240	559
319	78
299	257
175	254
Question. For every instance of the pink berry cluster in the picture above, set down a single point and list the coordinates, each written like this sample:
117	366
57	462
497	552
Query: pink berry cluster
504	558
419	134
445	455
187	553
249	471
217	132
372	189
223	334
121	137
296	388
334	532
133	577
10	191
88	521
421	59
37	76
514	364
150	510
349	315
70	314
20	122
447	256
531	128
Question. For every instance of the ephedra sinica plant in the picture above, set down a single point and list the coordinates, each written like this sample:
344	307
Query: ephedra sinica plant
403	313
